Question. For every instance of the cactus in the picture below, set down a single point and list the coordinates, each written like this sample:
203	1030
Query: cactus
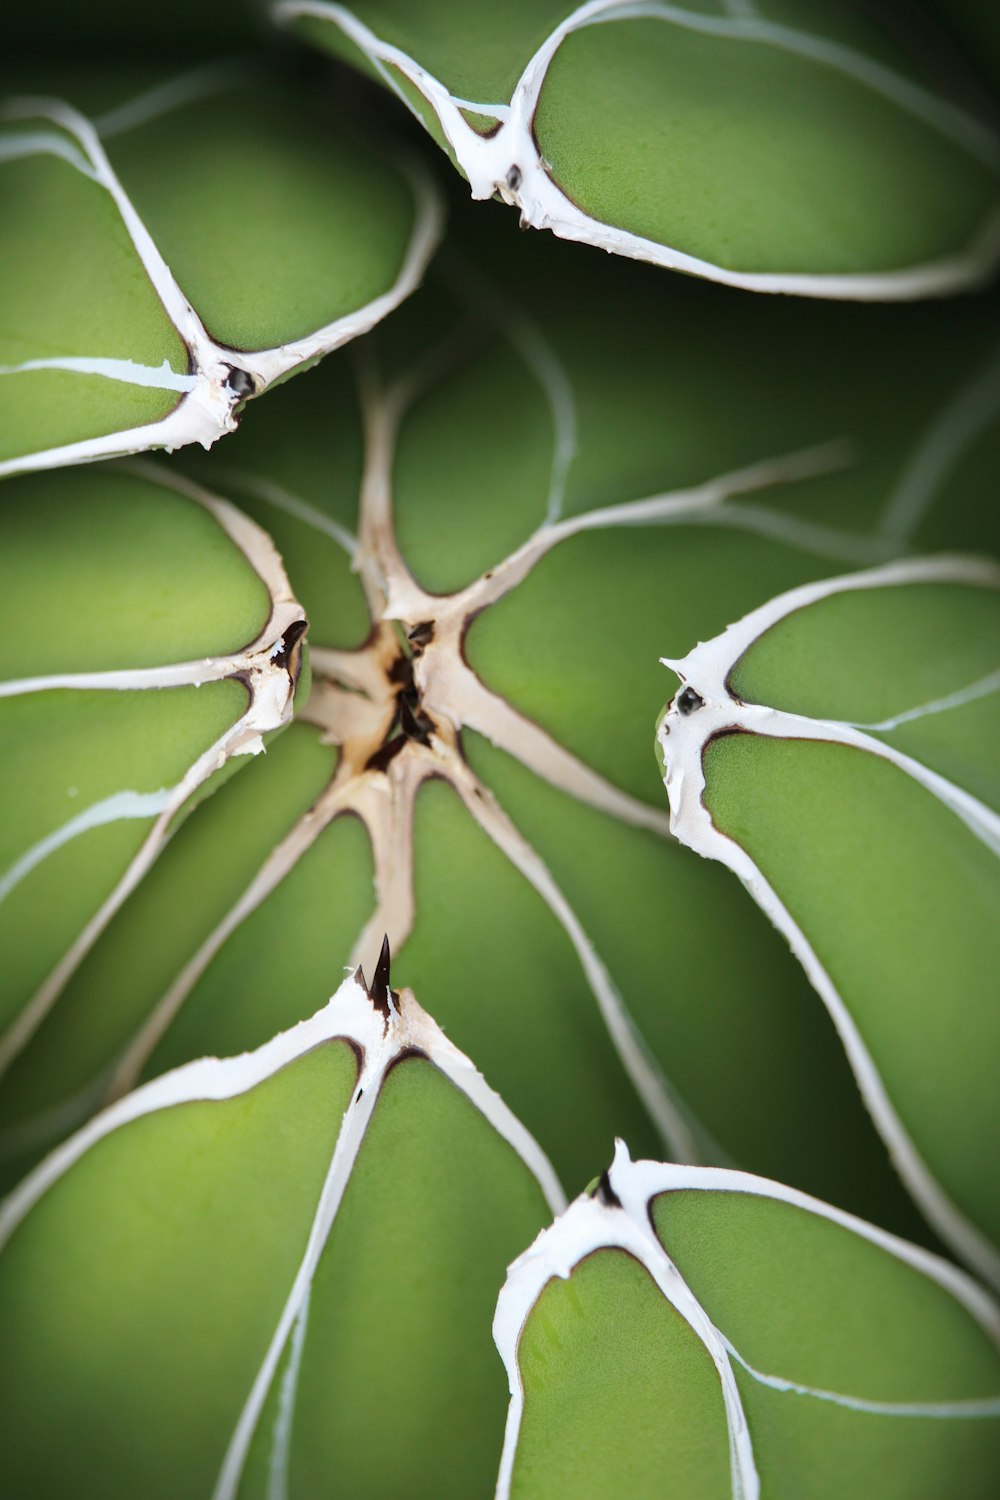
358	670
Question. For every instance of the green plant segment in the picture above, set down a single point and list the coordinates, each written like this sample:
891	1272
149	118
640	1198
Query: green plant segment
357	1144
257	1209
110	733
885	925
380	673
773	1332
696	137
139	308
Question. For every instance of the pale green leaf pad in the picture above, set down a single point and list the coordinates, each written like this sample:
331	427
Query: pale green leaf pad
178	255
290	1256
836	749
769	146
157	643
718	1336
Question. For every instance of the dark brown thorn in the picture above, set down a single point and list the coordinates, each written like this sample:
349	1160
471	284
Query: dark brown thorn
413	722
291	637
380	992
380	758
421	635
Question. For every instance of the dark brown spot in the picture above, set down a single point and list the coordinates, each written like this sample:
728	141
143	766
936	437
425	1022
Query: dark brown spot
413	722
401	671
409	723
288	657
379	760
241	383
421	635
687	701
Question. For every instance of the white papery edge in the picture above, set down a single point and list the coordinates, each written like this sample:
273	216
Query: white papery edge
682	740
591	1224
381	1038
508	162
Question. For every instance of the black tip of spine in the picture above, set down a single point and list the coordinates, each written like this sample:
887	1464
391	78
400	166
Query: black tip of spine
380	991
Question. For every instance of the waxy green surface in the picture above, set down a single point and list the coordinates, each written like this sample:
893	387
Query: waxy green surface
620	1393
900	910
845	1354
819	1305
273	219
785	139
187	1227
900	907
330	215
103	571
881	658
437	1206
764	160
144	1287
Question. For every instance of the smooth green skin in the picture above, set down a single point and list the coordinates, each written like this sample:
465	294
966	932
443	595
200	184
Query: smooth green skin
330	39
500	976
138	1298
160	928
271	237
46	409
477	49
724	997
400	1388
743	154
74	285
853	846
155	1270
472	467
278	442
72	278
577	646
621	1396
102	570
286	959
959	745
63	752
868	655
809	1300
749	157
810	1450
700	384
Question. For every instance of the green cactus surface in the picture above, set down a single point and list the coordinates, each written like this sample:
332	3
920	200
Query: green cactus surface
679	1177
